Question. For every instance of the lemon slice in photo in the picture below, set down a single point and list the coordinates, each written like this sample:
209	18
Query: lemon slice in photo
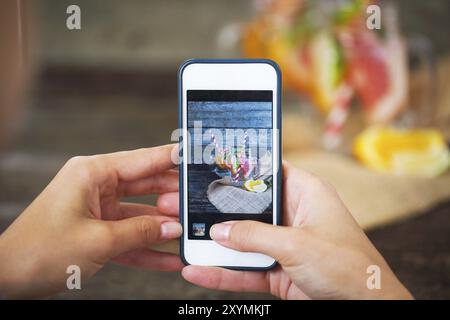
257	186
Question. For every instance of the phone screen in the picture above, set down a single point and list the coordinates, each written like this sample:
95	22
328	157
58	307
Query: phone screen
230	156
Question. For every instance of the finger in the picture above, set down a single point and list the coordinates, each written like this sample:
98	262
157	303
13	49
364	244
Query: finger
130	210
156	184
300	179
252	236
299	184
169	203
149	259
141	163
223	279
140	232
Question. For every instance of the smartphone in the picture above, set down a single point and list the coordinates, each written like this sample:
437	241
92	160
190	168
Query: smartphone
230	168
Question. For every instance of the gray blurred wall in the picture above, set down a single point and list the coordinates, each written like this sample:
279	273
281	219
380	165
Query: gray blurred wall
135	33
162	33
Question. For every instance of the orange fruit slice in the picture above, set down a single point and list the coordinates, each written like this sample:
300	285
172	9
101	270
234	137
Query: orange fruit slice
421	153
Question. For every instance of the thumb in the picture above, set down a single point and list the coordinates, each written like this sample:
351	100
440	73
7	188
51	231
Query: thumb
140	232
251	236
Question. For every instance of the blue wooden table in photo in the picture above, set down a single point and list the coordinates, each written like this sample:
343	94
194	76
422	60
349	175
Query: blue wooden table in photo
217	117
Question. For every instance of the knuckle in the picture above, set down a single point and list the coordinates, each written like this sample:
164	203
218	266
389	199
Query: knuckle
81	165
76	162
84	167
241	233
147	229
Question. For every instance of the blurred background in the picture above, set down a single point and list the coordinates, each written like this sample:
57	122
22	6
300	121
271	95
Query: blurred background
368	110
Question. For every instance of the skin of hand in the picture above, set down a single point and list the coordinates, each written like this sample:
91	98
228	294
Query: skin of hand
322	252
79	219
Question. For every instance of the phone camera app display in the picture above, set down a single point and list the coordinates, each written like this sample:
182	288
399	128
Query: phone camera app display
229	157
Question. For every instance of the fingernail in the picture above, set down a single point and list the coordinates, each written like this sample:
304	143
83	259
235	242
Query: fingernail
220	232
170	230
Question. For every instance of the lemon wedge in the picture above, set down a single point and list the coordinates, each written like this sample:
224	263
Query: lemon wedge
257	186
422	153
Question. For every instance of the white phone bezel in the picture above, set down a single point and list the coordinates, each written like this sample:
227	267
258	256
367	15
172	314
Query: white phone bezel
227	76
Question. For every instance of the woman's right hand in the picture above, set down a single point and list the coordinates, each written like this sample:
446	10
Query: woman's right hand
322	252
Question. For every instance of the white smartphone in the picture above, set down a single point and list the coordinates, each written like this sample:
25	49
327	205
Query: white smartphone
230	169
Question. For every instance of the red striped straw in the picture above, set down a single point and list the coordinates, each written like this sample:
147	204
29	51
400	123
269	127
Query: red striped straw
337	117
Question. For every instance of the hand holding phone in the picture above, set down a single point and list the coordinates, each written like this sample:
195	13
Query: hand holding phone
79	222
322	252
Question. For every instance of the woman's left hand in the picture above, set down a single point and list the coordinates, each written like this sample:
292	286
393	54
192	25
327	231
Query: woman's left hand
79	219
